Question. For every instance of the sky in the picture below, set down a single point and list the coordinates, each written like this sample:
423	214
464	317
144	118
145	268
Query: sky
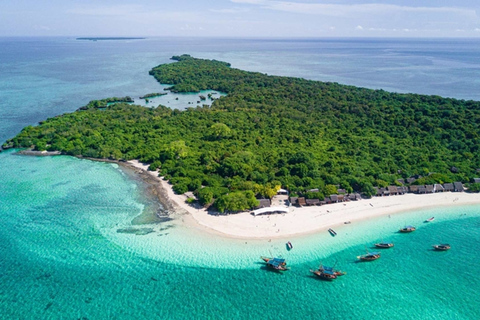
241	18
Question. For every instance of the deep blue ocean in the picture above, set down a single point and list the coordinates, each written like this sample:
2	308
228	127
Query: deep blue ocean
64	249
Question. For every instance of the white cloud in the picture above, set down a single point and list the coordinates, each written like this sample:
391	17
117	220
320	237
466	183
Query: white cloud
330	9
358	28
378	29
232	10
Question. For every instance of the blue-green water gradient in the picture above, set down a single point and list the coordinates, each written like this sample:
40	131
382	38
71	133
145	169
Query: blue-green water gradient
62	256
67	249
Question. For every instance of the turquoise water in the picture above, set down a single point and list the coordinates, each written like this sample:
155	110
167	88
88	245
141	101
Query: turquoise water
63	257
67	243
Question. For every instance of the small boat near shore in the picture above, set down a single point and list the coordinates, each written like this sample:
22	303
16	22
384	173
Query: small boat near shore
332	232
369	256
336	272
324	275
327	273
408	229
441	247
289	246
384	245
430	219
278	264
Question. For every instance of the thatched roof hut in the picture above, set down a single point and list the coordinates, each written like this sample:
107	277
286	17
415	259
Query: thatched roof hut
301	201
294	201
413	188
392	190
264	203
312	202
458	186
448	187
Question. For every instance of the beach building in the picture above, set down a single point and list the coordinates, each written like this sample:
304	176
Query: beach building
413	188
264	203
384	192
402	190
458	186
411	180
448	187
293	201
393	190
301	201
312	202
438	187
354	196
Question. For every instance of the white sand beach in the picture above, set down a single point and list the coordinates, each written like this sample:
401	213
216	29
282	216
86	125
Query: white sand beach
304	220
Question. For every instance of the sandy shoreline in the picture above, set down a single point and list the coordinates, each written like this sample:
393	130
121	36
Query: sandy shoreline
300	221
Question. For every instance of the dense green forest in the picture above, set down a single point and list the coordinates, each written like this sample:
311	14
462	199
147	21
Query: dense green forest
271	131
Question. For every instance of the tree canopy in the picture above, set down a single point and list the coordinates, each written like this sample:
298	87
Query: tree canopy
271	131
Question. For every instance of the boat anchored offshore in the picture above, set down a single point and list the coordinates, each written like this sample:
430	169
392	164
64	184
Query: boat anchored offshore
408	229
332	232
278	264
441	247
430	219
369	256
327	273
338	273
324	275
384	245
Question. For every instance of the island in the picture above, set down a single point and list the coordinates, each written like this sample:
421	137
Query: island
109	38
317	141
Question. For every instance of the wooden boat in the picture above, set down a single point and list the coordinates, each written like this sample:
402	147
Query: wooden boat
408	229
430	219
289	246
384	245
442	247
324	275
336	272
332	232
369	256
278	264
